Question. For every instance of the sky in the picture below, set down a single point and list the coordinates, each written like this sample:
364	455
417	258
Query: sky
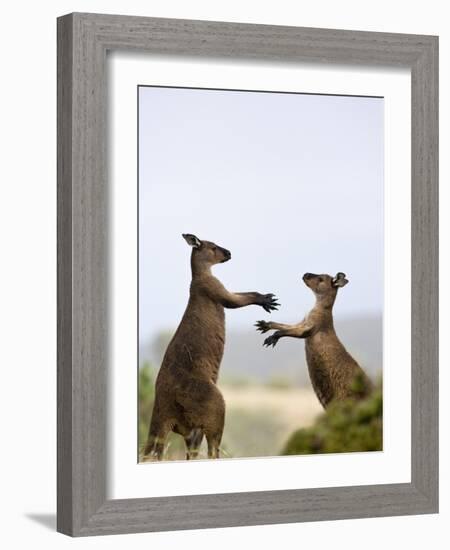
289	183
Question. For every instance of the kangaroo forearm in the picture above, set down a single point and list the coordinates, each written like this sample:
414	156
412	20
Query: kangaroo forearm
279	326
296	331
241	299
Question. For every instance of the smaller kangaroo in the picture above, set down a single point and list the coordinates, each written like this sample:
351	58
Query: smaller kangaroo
187	399
333	371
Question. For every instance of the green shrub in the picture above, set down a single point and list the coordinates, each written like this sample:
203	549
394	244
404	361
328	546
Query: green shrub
146	398
346	426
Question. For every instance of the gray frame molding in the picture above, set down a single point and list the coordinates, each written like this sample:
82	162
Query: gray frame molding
83	40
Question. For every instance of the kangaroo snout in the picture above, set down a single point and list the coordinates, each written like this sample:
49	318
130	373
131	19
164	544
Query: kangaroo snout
226	254
309	279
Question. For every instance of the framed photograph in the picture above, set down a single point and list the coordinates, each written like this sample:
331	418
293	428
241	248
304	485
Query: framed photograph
247	274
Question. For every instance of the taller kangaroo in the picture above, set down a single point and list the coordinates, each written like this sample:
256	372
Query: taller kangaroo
333	371
187	399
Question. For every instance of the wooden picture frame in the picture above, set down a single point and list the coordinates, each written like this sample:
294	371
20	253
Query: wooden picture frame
83	41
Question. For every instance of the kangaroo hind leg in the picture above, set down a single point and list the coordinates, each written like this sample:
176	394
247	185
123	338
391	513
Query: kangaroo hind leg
204	407
156	437
213	445
193	442
214	422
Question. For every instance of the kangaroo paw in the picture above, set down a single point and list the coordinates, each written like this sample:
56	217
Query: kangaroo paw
262	326
271	341
269	302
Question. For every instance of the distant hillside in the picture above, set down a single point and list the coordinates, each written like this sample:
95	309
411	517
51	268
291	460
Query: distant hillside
245	356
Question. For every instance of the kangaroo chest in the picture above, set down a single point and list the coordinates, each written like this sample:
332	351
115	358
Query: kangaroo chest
198	344
320	360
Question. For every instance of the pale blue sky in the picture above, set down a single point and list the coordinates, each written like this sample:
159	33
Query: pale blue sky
288	182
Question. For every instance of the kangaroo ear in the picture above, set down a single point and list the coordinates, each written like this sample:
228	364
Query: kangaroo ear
192	240
340	280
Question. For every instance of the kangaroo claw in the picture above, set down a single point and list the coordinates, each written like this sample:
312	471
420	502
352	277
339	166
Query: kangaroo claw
262	326
270	303
271	341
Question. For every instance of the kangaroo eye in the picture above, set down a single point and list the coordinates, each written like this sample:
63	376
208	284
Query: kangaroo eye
320	279
214	248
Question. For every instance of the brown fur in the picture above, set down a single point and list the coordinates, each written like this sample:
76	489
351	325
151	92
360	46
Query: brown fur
187	399
334	374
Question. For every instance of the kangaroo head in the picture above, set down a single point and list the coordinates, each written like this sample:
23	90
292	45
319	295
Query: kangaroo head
206	253
324	286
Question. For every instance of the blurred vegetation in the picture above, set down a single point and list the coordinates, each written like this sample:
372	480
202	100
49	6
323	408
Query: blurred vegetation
236	381
280	382
147	377
346	426
258	428
251	433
